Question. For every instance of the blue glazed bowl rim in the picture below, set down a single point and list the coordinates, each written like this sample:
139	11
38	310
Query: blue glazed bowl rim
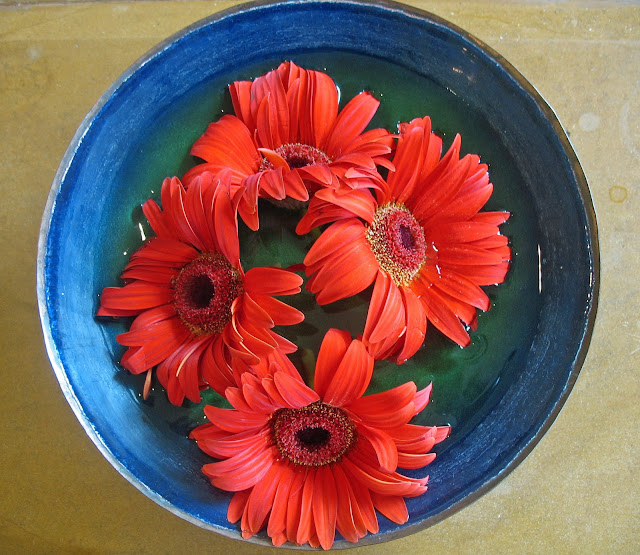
387	6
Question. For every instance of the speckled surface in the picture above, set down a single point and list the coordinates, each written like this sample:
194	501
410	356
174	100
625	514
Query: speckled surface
576	492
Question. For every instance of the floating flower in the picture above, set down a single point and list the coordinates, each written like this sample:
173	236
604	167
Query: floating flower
421	240
304	462
195	307
287	139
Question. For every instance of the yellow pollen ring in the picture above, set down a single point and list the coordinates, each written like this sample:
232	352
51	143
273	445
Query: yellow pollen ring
340	434
380	239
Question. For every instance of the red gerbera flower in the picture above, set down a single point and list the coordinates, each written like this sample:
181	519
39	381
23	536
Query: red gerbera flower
306	463
287	138
422	240
195	306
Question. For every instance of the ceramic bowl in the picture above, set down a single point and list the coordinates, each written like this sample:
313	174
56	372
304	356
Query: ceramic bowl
500	394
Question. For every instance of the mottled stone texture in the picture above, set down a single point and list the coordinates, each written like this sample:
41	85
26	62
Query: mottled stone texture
576	493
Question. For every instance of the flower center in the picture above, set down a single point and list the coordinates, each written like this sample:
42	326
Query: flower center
204	292
397	241
298	155
315	435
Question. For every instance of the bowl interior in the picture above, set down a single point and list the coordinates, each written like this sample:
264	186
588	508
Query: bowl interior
500	394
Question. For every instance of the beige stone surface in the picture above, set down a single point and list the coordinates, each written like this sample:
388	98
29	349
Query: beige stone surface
577	492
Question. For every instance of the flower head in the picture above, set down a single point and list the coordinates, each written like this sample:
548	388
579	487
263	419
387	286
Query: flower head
195	307
287	139
307	462
421	241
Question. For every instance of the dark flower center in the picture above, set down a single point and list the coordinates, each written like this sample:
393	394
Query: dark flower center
298	155
397	241
204	292
315	435
201	290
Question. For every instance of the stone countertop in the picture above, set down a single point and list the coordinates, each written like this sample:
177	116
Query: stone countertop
578	490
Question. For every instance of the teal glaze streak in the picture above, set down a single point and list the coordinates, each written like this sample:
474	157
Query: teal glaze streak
467	382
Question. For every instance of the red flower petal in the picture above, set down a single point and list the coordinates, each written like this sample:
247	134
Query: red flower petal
254	462
421	399
173	203
251	314
461	232
281	313
241	99
349	521
306	526
260	502
156	275
381	482
278	517
350	272
494	218
225	446
357	201
442	184
407	172
383	445
482	274
386	316
413	461
332	350
350	123
318	173
257	401
361	499
284	345
273	115
388	409
216	368
226	226
467	255
271	281
391	506
255	341
456	285
169	252
157	220
198	209
415	329
294	507
293	391
227	143
336	239
352	376
235	421
319	213
444	318
324	108
237	505
274	158
135	296
325	506
154	344
185	364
